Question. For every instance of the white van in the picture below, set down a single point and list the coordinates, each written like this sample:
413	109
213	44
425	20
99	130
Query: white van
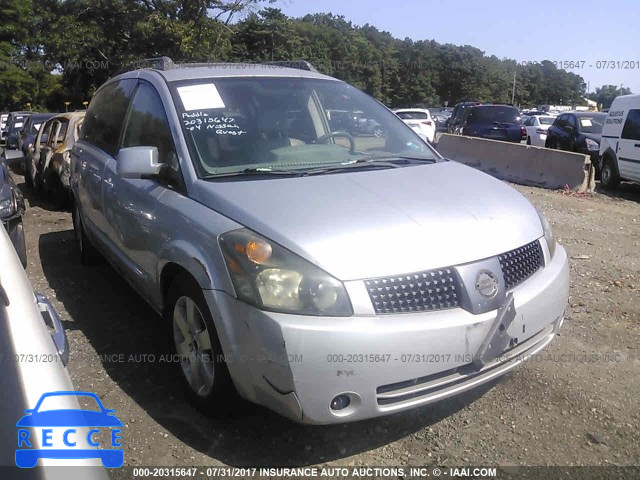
620	144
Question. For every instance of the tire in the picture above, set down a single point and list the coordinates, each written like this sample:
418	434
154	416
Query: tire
28	176
528	140
56	191
203	371
609	178
88	253
38	184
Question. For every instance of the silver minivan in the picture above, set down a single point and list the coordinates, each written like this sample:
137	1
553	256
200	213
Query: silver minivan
329	275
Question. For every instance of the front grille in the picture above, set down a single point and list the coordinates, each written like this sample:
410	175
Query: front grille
415	292
519	264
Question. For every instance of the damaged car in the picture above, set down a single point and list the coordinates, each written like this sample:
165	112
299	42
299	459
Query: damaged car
326	276
50	164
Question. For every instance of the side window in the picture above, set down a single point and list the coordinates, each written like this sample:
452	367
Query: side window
105	116
631	129
44	132
147	124
53	134
561	121
571	121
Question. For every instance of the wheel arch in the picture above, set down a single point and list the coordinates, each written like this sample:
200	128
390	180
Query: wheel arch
182	257
611	155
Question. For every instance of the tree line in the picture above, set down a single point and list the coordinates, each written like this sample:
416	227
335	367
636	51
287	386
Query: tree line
54	54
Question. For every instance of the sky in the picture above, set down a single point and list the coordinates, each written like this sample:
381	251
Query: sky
601	37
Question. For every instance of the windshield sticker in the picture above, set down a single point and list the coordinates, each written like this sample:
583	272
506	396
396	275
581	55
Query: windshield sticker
200	97
586	122
219	124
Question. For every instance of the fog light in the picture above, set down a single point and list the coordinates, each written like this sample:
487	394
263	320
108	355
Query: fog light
340	402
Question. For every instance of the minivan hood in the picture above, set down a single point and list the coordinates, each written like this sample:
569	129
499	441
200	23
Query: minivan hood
364	224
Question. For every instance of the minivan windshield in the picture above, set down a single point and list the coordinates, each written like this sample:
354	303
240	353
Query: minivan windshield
248	124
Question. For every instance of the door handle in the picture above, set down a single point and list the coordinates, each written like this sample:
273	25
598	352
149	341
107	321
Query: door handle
97	176
108	182
83	164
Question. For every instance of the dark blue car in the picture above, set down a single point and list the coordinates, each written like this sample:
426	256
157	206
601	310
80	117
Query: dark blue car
495	122
69	418
11	209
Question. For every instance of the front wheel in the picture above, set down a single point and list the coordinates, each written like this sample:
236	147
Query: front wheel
609	178
205	376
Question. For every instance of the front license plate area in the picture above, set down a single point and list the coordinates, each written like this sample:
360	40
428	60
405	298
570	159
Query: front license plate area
497	340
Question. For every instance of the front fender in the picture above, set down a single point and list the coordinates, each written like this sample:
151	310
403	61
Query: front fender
206	267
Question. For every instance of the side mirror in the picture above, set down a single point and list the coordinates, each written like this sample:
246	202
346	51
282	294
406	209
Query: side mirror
138	162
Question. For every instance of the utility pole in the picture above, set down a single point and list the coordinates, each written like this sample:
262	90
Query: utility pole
513	92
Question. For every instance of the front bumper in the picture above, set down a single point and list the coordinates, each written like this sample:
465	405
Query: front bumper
296	365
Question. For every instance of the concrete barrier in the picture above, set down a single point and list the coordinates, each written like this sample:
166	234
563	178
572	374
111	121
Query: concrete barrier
522	164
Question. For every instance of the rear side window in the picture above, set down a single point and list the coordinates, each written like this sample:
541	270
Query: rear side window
631	130
105	116
147	124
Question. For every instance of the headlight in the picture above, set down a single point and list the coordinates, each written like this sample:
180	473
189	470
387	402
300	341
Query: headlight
271	277
592	144
548	234
7	202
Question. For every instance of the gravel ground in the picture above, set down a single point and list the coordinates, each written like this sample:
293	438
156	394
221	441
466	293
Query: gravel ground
577	405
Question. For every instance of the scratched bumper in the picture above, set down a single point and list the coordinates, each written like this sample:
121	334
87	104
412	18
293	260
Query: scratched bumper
296	364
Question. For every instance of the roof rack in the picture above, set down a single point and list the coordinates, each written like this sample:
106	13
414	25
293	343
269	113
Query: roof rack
157	63
166	63
299	64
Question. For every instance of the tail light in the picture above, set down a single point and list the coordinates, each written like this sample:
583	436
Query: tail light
523	132
427	122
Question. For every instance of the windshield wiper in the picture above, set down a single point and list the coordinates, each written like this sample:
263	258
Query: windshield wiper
252	172
369	162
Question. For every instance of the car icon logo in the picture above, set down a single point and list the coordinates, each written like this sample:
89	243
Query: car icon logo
66	444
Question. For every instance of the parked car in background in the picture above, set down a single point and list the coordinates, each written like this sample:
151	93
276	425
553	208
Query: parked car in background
420	120
619	154
53	167
456	115
11	210
579	132
263	239
30	130
354	123
537	126
3	125
15	122
534	113
492	121
441	120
